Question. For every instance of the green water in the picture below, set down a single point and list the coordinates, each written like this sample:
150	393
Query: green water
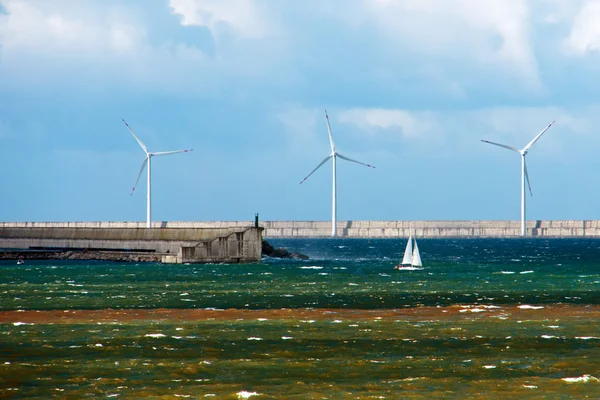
483	319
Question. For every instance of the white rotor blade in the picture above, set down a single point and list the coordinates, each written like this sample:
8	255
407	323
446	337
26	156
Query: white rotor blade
535	139
527	177
330	135
165	153
502	145
136	138
318	166
139	174
354	161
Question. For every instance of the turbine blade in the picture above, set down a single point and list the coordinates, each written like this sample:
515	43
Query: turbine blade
330	135
165	153
502	145
535	139
136	138
527	177
318	166
139	174
354	161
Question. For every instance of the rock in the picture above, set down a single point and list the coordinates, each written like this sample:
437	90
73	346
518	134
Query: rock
267	248
281	252
298	256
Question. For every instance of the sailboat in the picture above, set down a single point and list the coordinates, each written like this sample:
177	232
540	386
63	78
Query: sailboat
412	257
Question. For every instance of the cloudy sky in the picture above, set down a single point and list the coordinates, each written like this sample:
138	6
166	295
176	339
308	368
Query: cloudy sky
411	86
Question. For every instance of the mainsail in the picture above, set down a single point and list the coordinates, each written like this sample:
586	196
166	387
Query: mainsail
408	253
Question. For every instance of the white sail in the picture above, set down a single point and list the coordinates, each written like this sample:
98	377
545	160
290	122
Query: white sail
407	260
416	257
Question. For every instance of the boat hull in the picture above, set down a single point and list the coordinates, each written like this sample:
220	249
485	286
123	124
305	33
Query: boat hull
407	267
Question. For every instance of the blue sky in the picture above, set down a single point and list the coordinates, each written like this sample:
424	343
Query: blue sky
411	86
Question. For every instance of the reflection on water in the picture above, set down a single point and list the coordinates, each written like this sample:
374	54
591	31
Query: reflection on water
483	319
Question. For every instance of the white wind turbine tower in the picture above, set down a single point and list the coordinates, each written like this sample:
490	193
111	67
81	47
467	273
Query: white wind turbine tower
334	154
524	174
148	160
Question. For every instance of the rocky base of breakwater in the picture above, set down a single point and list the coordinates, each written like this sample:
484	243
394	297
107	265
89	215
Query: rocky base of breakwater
80	255
270	251
267	250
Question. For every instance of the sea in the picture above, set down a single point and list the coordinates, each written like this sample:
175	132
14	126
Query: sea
482	319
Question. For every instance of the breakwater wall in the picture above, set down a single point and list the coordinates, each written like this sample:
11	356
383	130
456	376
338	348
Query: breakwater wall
166	244
433	229
357	229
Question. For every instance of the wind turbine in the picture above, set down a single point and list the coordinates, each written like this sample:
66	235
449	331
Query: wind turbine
147	160
334	154
524	174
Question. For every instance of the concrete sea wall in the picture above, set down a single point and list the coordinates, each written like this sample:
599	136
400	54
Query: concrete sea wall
432	229
195	231
169	244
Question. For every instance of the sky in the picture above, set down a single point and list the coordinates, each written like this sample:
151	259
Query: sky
411	86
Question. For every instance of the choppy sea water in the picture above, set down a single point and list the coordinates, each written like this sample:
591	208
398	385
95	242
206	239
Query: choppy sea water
484	318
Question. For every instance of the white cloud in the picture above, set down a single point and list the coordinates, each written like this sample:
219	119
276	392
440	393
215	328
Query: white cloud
245	17
74	42
29	26
100	44
462	130
553	12
408	124
124	37
452	48
485	32
585	32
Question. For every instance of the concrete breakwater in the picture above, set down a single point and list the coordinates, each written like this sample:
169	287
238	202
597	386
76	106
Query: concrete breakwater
356	229
432	229
237	241
131	242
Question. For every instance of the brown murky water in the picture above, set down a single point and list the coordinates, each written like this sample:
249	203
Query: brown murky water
472	351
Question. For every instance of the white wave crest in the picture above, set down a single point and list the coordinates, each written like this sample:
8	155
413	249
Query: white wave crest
582	379
154	335
245	395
